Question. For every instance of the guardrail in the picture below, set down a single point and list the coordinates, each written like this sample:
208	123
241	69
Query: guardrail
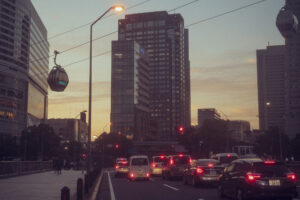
17	168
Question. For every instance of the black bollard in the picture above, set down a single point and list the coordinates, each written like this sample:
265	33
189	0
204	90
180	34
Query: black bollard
86	184
79	189
65	193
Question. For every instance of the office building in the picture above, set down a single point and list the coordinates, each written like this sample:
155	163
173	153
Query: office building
69	129
207	113
292	114
239	130
24	52
271	87
166	41
130	113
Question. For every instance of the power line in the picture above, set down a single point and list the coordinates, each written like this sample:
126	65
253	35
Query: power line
111	33
225	13
84	25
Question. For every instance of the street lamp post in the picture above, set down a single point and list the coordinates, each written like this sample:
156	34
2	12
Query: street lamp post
117	8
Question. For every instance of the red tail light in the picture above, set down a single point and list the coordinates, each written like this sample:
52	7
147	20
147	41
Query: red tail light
210	165
269	162
190	160
251	177
171	162
162	157
131	175
124	162
148	175
228	155
117	167
154	165
180	155
291	176
199	170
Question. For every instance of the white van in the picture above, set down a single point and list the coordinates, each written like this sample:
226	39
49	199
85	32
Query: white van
139	167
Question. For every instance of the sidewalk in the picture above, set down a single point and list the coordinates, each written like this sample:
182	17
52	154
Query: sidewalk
46	185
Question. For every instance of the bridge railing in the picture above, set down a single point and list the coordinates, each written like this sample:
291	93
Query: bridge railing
17	168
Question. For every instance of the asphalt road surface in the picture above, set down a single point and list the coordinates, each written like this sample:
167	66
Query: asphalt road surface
112	188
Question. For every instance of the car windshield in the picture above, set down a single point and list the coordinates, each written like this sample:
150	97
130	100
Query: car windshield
139	161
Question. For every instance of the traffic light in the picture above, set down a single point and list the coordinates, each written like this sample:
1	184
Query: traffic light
181	129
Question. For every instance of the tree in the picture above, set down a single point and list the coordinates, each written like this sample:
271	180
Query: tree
8	147
295	150
269	144
39	142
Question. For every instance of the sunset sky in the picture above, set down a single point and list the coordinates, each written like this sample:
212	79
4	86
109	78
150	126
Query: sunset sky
222	53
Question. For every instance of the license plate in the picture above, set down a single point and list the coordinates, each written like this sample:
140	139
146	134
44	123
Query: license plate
140	175
274	182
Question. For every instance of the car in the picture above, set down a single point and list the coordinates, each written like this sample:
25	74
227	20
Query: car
121	168
175	166
120	159
202	171
158	162
225	158
139	168
254	178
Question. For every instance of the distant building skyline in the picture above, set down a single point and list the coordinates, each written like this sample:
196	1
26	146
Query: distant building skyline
130	111
271	87
23	78
207	114
164	37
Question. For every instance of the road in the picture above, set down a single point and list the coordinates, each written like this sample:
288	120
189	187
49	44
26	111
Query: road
112	188
155	189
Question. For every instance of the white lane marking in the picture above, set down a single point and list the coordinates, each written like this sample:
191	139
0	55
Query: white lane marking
200	199
298	186
111	189
173	188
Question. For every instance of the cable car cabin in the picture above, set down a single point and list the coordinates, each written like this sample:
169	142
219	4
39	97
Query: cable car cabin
287	23
58	79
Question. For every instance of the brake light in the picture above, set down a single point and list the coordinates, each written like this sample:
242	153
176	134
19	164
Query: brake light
269	162
291	176
162	157
148	175
251	177
117	166
190	160
154	165
171	162
124	162
199	170
131	175
210	165
180	155
228	155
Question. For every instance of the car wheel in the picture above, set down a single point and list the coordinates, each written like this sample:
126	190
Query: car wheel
194	182
240	195
220	191
184	180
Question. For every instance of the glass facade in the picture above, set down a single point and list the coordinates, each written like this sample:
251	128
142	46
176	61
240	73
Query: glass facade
164	38
23	41
129	90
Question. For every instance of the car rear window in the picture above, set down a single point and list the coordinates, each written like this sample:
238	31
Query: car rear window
225	159
160	160
181	160
206	162
268	170
139	161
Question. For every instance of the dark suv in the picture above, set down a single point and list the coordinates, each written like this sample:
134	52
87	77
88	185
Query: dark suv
254	178
175	166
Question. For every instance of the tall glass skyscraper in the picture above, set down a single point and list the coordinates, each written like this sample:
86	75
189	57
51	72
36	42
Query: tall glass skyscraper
24	51
166	40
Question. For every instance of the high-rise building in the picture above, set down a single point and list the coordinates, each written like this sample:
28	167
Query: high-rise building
166	41
130	113
271	87
292	115
207	113
239	129
24	50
